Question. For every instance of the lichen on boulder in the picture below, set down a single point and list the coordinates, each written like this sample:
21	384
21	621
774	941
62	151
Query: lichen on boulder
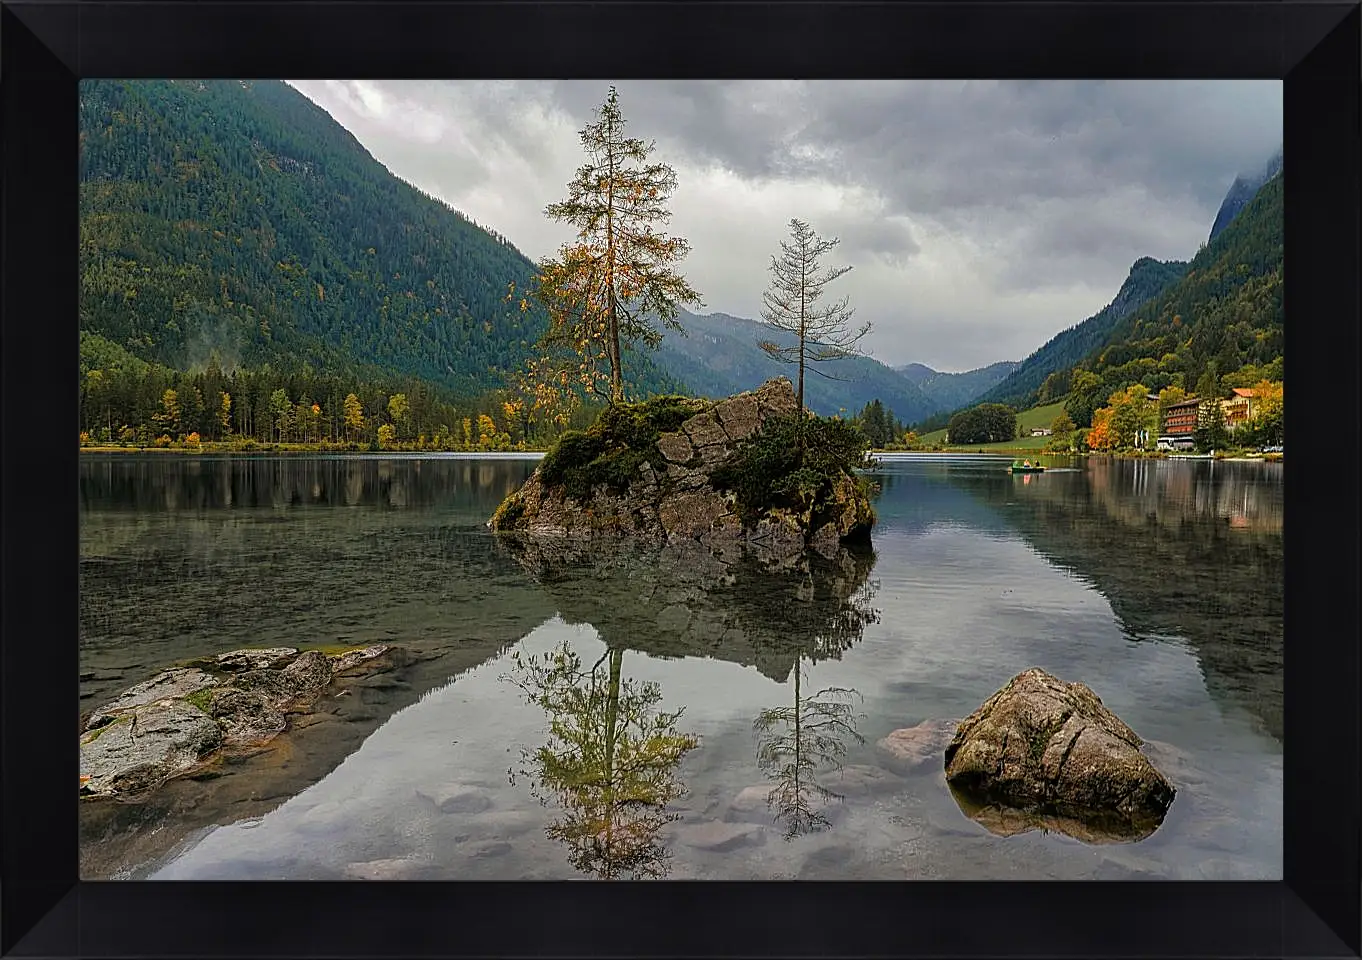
750	468
1043	745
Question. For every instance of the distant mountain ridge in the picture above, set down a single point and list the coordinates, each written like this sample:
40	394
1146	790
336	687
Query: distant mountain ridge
1242	191
953	390
718	356
1148	278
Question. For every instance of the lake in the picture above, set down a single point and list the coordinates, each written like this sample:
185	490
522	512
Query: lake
1159	584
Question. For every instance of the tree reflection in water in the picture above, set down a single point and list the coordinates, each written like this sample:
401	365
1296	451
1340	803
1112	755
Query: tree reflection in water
796	743
610	761
753	606
807	738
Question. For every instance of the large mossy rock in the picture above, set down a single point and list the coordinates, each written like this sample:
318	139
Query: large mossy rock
678	469
180	719
1042	744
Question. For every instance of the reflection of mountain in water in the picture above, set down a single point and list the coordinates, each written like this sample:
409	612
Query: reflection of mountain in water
1178	549
747	607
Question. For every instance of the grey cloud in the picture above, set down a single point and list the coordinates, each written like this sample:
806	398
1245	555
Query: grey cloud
1040	172
1045	191
889	239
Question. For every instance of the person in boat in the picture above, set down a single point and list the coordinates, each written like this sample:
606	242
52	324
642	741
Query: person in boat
1027	464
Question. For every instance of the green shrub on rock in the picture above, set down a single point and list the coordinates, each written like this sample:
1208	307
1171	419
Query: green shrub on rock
613	448
778	468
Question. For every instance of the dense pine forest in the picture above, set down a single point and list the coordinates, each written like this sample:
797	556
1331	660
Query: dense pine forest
235	224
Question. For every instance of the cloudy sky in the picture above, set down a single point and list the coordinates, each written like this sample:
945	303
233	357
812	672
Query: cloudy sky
980	218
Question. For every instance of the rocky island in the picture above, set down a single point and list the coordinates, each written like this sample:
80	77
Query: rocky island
746	469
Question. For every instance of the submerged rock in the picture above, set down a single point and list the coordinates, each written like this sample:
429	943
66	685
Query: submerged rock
859	780
1046	746
914	749
653	471
456	798
717	836
174	723
392	868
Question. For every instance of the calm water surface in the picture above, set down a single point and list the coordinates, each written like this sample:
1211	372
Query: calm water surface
1157	583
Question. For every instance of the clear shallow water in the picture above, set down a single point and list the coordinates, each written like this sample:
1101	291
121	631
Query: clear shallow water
1159	584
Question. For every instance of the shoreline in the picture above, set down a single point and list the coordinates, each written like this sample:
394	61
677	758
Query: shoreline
1015	452
301	450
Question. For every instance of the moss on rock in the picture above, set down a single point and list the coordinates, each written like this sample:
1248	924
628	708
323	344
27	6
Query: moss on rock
612	449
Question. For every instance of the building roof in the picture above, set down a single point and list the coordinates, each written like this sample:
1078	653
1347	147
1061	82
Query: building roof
1245	392
1188	402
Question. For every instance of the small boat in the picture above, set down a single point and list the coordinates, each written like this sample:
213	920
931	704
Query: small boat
1026	466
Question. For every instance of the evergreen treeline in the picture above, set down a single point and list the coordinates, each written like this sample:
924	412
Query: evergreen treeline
879	424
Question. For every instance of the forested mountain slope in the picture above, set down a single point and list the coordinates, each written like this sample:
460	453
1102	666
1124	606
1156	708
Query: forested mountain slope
1027	385
237	218
1226	313
1242	191
951	391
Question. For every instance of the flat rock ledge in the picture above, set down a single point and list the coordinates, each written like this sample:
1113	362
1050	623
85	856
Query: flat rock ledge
678	503
182	719
1051	748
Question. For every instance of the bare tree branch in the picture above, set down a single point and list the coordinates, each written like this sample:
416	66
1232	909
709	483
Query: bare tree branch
791	303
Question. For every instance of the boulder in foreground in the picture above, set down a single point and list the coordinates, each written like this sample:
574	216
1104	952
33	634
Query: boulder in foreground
678	469
181	719
1043	745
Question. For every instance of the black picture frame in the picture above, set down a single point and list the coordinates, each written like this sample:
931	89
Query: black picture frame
46	47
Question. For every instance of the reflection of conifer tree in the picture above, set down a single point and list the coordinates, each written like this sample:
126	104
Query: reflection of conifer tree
796	743
610	761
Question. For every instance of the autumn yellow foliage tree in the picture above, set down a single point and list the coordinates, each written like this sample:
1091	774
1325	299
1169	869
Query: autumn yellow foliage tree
168	417
225	413
354	415
1268	398
1134	418
399	410
607	287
